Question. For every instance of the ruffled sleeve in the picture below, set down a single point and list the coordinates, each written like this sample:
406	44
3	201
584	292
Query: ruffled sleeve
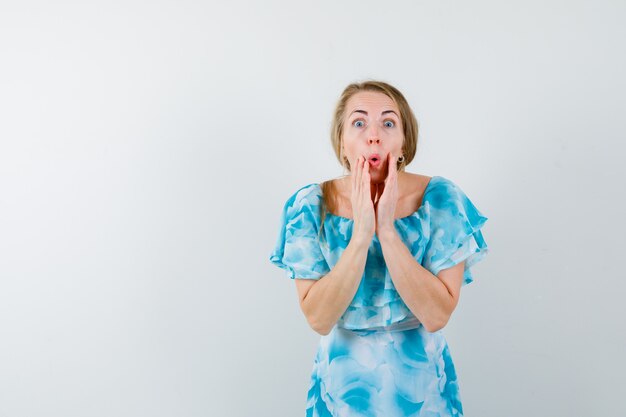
297	248
455	234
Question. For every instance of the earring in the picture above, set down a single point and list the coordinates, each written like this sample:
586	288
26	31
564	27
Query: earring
401	159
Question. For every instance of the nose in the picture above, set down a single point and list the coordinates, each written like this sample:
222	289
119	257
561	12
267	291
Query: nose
373	135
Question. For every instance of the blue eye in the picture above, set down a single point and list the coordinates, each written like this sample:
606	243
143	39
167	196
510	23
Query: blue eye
357	121
390	122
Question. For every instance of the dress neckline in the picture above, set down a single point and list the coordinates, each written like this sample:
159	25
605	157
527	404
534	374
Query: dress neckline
399	218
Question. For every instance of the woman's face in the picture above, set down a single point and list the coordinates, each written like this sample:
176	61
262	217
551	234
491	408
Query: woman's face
372	129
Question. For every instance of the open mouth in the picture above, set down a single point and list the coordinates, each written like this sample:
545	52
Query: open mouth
374	158
375	161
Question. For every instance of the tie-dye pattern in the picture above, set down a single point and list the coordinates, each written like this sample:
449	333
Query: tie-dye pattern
378	359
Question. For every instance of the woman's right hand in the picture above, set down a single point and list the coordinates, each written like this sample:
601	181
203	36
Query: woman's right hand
364	225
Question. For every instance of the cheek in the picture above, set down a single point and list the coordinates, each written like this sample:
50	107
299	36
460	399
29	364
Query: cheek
352	150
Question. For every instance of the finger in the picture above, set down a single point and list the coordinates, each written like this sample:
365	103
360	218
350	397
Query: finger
359	173
360	177
353	175
366	179
367	194
364	170
389	167
395	168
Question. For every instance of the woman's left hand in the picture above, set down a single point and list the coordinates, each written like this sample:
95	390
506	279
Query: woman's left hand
387	195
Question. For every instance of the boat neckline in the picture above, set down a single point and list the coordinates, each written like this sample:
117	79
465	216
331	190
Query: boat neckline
399	218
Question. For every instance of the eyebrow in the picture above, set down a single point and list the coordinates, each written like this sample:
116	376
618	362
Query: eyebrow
365	113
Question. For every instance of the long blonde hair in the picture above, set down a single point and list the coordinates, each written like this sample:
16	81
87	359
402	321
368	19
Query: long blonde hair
409	127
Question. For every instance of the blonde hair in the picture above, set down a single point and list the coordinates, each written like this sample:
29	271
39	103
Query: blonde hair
409	127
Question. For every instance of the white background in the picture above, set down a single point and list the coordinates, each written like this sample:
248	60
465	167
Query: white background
147	149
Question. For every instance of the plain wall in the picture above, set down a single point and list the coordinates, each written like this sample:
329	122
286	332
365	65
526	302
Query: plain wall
147	149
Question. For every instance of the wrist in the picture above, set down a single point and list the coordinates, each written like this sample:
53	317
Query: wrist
386	234
361	240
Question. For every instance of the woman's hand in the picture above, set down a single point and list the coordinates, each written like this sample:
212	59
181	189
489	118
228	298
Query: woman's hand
363	213
387	198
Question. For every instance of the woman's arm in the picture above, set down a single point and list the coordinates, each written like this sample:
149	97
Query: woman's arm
432	299
323	301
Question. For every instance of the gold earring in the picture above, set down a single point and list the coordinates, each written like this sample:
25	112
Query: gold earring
400	162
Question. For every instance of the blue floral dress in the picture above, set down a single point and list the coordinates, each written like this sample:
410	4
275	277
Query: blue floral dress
378	360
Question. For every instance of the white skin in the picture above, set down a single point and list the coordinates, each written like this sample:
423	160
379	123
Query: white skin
372	124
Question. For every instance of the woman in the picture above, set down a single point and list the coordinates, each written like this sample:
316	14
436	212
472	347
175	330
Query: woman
379	257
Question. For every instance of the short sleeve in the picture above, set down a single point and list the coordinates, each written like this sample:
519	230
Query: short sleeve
455	234
297	248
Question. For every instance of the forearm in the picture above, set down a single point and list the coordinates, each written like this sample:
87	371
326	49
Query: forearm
422	292
331	295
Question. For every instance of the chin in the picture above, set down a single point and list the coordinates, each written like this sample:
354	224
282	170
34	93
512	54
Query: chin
377	178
